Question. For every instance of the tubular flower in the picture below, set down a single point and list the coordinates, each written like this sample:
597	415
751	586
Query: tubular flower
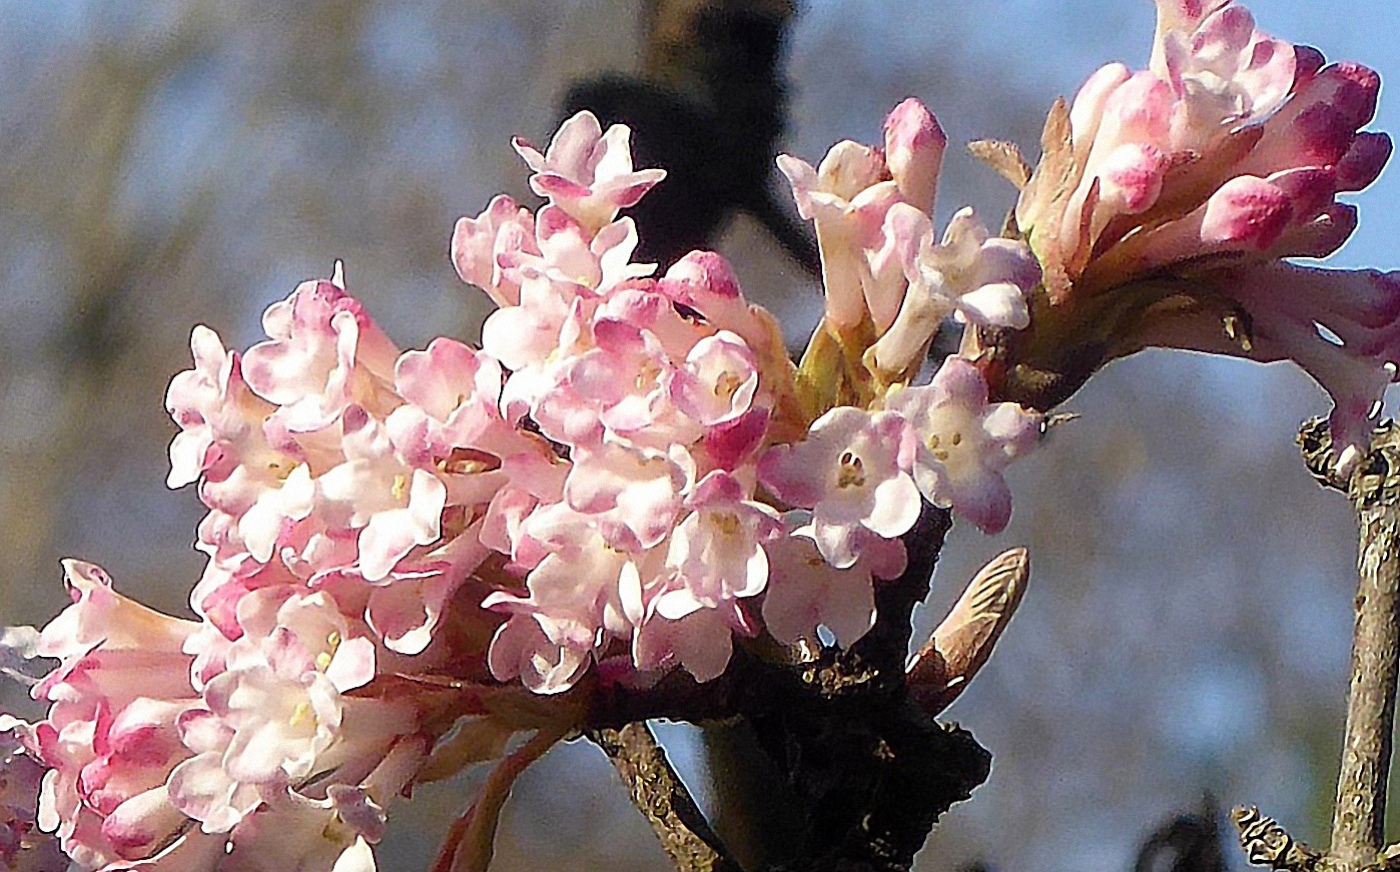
849	472
848	197
588	173
890	283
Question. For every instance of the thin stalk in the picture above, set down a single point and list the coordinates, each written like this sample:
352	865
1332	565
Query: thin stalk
1359	817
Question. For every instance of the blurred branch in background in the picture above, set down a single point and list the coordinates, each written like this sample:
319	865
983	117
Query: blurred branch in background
1189	842
69	189
709	106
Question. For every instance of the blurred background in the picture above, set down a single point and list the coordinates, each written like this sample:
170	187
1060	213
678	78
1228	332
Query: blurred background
189	161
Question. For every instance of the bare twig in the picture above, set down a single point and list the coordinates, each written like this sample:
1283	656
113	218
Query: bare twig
1268	844
658	792
1358	820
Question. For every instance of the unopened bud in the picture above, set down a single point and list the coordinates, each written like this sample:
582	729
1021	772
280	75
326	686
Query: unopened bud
963	641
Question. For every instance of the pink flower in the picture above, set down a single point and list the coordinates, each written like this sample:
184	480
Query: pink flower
297	833
277	713
621	385
972	276
719	380
572	254
479	244
914	145
1160	135
560	293
547	651
1166	198
391	505
586	172
110	738
716	553
849	471
1230	71
533	479
1341	326
582	589
848	197
701	641
806	592
330	833
704	282
453	401
962	443
219	416
634	493
324	353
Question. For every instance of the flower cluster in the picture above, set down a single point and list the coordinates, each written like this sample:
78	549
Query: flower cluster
168	742
890	282
685	464
413	555
630	472
1167	198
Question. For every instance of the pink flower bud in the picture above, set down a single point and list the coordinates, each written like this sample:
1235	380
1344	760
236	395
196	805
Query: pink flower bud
1248	211
914	145
1307	62
1131	177
1363	161
1348	87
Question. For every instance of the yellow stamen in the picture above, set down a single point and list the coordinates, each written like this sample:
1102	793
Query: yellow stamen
646	376
301	714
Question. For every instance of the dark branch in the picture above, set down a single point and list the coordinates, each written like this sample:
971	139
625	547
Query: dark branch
868	771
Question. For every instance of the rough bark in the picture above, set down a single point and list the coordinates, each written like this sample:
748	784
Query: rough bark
660	795
1359	813
1359	817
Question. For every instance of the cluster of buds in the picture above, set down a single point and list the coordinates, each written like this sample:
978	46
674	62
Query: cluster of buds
1166	201
628	475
